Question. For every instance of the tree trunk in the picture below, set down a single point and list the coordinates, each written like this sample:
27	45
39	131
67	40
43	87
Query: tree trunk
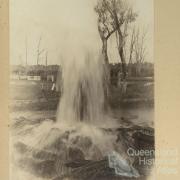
104	51
106	79
138	69
121	54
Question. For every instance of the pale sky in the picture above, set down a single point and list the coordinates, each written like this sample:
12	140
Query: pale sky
64	24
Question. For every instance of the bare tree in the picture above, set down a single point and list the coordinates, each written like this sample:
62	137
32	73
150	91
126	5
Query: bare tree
139	50
118	14
26	52
131	50
132	44
39	52
105	27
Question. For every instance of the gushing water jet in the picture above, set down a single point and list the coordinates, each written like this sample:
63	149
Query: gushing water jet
83	95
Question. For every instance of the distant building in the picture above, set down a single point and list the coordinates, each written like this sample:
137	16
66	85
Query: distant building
22	77
36	73
33	78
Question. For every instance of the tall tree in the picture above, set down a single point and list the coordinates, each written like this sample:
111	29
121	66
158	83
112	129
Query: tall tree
105	27
131	51
39	52
118	15
139	50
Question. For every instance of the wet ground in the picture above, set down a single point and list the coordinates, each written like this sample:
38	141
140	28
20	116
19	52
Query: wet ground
43	169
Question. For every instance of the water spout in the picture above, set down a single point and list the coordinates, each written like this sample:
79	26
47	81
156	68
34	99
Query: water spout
83	95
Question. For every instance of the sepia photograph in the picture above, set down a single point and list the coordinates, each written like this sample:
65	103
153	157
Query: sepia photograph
81	86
